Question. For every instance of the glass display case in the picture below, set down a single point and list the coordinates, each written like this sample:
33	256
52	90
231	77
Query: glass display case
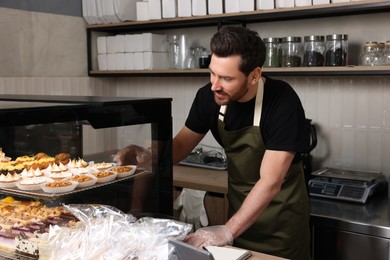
95	129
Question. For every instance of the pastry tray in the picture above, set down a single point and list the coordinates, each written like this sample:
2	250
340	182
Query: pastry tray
52	196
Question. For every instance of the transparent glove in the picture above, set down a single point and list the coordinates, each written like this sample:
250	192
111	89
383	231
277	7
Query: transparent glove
210	236
191	204
134	155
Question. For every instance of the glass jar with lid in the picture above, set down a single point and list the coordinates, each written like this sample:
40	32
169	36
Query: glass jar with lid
291	51
336	50
386	54
370	55
314	51
273	54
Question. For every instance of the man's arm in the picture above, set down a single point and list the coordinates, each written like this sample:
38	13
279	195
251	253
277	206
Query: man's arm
273	170
183	143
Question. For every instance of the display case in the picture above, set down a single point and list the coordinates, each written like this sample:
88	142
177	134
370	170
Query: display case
95	129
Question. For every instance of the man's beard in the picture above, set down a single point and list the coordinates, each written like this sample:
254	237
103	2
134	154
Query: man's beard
234	98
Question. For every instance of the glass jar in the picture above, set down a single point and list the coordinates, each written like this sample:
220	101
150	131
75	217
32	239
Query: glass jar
314	51
273	54
336	50
386	54
370	55
291	51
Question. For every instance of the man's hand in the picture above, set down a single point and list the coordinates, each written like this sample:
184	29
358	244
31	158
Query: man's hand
210	236
134	155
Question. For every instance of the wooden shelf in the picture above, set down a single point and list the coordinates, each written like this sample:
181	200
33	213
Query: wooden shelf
298	71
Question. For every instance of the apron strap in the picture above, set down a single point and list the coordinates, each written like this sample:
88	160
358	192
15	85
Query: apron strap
258	105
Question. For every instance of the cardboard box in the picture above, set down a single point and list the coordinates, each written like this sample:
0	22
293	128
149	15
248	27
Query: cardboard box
155	42
142	11
154	7
247	5
111	61
101	44
138	42
119	61
321	2
199	7
102	61
119	43
129	43
138	60
284	3
111	41
129	61
265	4
303	2
232	6
169	9
215	6
155	60
184	8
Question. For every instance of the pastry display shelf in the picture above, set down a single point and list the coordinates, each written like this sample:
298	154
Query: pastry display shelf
297	71
40	194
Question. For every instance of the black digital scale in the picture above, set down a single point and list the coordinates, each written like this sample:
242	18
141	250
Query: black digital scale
347	185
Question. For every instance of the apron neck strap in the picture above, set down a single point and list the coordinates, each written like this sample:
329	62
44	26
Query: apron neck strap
258	105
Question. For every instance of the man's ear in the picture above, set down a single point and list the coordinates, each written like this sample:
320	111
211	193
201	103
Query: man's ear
255	75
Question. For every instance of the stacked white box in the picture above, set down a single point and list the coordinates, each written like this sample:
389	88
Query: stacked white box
142	11
303	2
129	61
102	45
265	4
129	43
215	6
284	3
184	8
321	2
111	61
119	43
138	60
126	10
247	5
340	1
169	9
111	41
232	6
138	42
199	7
154	8
155	60
120	61
154	42
102	61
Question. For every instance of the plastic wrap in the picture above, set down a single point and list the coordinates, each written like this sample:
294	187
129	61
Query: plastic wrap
105	232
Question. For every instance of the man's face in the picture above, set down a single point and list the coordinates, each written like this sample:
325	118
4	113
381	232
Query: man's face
229	84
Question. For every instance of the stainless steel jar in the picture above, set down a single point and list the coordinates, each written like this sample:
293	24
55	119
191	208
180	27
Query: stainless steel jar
336	50
291	51
314	51
273	54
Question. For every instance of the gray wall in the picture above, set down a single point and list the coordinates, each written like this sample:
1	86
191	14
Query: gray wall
63	7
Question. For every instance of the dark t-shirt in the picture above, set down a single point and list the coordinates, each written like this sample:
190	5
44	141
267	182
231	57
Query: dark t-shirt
283	125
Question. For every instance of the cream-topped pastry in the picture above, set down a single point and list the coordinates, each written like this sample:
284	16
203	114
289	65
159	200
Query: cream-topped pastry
60	175
9	177
31	173
79	163
33	181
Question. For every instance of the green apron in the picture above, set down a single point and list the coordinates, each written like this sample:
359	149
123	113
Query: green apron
283	228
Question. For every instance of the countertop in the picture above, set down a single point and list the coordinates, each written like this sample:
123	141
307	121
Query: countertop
371	218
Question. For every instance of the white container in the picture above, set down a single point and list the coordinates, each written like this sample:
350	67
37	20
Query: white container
199	7
155	42
129	61
303	2
247	5
155	60
111	61
138	42
119	61
101	44
215	6
184	8
284	3
138	60
339	1
111	41
265	4
129	43
119	43
321	2
232	6
126	10
154	8
102	61
169	9
142	11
